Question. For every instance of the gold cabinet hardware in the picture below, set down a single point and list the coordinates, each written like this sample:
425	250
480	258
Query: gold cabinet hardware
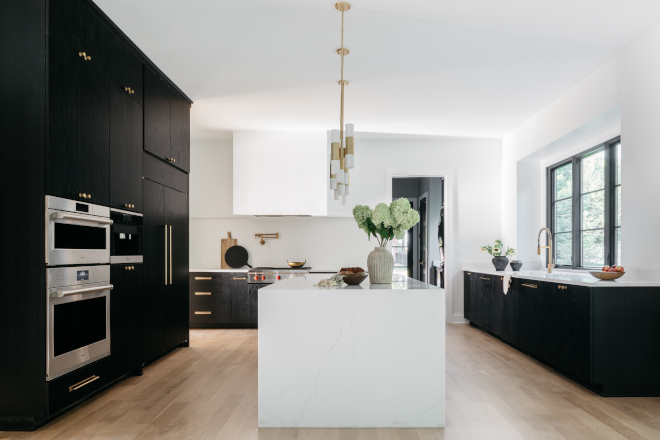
203	313
128	205
89	196
240	278
82	54
487	279
133	206
203	278
203	293
469	273
563	287
83	383
129	90
533	286
264	236
85	195
171	159
88	58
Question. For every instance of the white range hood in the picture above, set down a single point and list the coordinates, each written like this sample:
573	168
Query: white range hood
280	173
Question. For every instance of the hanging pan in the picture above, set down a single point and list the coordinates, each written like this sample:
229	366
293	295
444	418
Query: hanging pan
237	257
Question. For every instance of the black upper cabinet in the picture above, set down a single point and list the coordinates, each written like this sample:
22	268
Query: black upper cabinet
77	161
126	69
126	319
125	151
166	122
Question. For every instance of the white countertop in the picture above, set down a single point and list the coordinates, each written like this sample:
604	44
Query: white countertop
219	270
574	277
309	282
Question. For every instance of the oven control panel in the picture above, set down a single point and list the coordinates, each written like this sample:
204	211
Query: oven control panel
61	204
77	276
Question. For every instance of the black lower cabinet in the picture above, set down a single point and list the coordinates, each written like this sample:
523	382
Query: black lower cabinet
467	292
222	300
126	320
532	334
244	305
77	385
573	332
510	328
486	302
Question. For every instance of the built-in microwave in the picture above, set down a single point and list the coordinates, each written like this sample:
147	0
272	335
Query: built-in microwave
78	317
76	232
125	237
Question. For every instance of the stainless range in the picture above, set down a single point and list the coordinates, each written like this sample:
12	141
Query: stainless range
270	275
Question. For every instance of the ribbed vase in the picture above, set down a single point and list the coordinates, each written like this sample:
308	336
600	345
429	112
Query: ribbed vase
380	265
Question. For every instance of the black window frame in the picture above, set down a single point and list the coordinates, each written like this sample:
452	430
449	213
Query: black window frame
610	185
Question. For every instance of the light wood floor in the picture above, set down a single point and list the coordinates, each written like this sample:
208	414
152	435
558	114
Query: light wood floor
209	391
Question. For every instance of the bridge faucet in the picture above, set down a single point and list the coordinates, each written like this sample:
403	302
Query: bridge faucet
548	247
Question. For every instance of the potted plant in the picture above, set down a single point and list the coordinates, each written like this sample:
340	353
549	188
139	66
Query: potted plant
384	223
500	260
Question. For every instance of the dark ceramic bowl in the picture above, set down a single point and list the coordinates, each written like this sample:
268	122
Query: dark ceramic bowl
355	280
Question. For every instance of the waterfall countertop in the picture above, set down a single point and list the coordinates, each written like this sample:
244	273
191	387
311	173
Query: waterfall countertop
310	281
573	277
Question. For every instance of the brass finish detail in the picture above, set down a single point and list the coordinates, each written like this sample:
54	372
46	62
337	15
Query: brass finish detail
350	145
346	51
85	195
487	279
342	82
84	55
264	236
469	273
533	286
171	282
240	278
296	263
342	6
336	151
202	313
548	247
203	293
82	383
89	196
171	159
203	278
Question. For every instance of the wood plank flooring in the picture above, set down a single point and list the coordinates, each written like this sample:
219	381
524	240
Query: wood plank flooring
209	391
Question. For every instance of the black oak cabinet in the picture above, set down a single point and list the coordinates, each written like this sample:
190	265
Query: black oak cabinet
126	320
510	327
532	331
77	157
222	300
467	292
244	308
572	340
125	151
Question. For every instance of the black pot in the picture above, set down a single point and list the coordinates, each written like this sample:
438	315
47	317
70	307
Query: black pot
516	265
500	263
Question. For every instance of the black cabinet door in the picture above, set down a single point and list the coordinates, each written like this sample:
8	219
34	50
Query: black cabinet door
154	245
180	137
510	327
466	295
78	129
126	319
532	335
74	26
176	292
573	347
126	69
476	308
244	304
497	304
157	115
486	301
553	296
125	151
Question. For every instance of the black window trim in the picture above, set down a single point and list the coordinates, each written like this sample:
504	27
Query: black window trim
610	184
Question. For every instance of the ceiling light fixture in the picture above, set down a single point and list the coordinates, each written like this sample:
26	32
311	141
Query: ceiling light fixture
343	143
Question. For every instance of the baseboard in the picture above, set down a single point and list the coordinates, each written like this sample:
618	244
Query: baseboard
459	319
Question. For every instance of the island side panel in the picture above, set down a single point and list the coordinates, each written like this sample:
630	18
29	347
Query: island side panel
351	358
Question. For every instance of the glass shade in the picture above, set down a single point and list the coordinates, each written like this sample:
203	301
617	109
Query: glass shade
350	161
350	130
333	183
334	137
334	167
341	189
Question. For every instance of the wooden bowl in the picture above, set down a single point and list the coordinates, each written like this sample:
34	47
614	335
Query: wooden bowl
354	280
296	263
606	276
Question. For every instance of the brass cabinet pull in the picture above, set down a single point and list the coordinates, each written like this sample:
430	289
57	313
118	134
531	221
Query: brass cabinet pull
128	205
533	286
487	279
89	196
171	282
85	195
202	313
82	54
203	293
166	255
240	278
203	278
469	273
562	287
83	383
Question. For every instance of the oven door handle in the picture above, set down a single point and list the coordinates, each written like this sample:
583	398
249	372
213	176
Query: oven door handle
84	218
62	293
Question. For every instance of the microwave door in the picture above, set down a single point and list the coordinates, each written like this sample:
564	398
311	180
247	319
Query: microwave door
77	239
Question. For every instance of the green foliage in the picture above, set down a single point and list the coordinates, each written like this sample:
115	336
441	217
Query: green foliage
386	222
498	249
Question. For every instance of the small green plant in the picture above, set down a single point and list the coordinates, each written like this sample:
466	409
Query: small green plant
498	249
386	222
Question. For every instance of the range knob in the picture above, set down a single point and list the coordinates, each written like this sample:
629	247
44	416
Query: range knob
279	277
263	277
256	277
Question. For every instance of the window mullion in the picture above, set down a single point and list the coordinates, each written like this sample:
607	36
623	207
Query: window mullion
577	214
608	257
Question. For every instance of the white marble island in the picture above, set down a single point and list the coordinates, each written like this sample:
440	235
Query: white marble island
355	356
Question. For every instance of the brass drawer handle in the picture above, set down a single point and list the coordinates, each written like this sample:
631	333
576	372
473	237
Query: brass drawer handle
240	278
83	383
469	273
562	287
202	313
487	279
203	278
203	293
533	286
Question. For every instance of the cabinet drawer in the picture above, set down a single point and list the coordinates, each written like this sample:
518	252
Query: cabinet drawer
200	293
77	385
207	313
205	278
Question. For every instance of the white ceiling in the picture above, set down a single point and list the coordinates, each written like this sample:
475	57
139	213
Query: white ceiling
476	68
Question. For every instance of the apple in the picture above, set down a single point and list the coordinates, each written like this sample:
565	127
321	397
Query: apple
606	268
619	269
612	269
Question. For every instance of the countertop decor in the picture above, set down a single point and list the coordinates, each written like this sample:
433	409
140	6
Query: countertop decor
384	223
500	260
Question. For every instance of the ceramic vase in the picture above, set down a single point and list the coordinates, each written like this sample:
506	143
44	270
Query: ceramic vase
380	265
500	263
516	265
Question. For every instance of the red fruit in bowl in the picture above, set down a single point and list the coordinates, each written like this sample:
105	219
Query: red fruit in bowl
619	269
606	268
612	269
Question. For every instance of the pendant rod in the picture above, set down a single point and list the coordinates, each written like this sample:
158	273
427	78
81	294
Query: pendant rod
341	113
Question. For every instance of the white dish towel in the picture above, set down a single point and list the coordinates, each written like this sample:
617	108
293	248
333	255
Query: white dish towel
506	280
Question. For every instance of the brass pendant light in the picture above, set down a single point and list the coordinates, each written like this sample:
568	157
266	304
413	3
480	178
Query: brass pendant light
343	142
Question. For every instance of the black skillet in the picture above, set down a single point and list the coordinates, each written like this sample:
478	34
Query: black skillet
237	257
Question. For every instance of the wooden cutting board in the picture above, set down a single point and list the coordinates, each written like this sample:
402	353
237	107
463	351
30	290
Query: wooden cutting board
225	244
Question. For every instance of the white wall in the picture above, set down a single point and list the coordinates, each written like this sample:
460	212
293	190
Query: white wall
331	242
622	97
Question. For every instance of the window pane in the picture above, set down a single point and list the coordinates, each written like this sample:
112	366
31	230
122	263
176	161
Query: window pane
618	246
400	255
564	243
403	271
593	248
593	171
618	163
593	210
618	206
564	181
563	215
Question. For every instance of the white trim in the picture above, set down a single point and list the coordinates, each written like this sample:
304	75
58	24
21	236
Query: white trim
451	264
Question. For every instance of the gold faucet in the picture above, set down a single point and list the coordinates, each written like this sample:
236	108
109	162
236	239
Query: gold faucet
548	247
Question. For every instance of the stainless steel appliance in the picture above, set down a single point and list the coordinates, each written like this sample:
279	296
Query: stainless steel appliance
78	317
76	232
126	237
269	275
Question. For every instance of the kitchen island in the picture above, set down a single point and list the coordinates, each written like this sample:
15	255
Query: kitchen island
371	355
